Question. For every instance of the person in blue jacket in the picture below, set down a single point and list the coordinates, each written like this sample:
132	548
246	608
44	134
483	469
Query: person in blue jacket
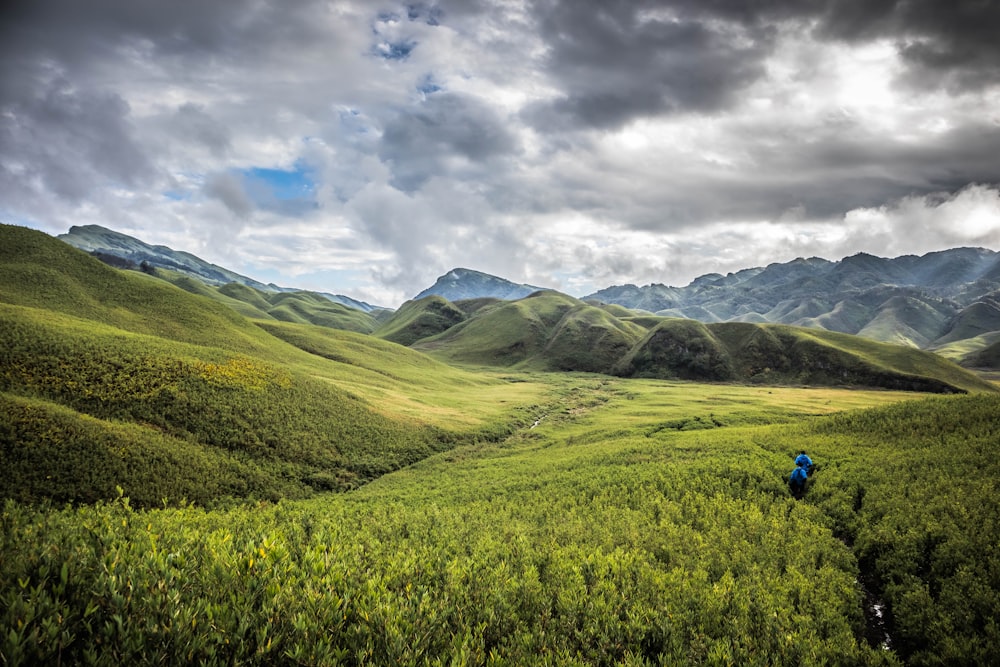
803	461
797	481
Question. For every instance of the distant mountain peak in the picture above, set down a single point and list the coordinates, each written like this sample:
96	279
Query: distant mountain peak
460	283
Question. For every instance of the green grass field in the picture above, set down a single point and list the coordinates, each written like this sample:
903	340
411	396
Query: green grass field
637	522
186	485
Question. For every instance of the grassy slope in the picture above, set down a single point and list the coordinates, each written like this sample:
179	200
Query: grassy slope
419	319
545	331
552	331
782	354
645	522
302	306
269	419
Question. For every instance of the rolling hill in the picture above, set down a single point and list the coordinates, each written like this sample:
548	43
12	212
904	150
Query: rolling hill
928	302
555	332
125	251
116	378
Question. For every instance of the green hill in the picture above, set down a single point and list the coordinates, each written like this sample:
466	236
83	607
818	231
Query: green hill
906	321
980	318
420	319
290	306
544	331
778	354
554	332
115	378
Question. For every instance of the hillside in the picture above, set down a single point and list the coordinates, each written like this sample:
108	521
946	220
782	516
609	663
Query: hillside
125	251
115	378
555	332
781	354
419	319
547	331
925	302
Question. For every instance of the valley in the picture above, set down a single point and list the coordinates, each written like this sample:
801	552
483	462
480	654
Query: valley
531	482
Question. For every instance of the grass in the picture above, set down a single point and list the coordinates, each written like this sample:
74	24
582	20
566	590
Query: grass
101	361
169	467
596	537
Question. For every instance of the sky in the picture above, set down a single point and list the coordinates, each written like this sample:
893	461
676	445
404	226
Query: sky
366	148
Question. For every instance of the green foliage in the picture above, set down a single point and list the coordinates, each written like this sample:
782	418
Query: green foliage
913	488
591	539
545	331
235	408
529	519
419	319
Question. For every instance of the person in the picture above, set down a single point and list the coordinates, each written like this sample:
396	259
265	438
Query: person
797	482
803	461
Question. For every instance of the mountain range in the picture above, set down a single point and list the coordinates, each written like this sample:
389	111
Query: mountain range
43	280
946	301
927	301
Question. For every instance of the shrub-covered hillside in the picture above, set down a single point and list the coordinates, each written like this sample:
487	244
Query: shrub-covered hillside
647	523
113	378
555	332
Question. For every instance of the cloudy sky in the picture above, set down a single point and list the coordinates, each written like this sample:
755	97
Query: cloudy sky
367	147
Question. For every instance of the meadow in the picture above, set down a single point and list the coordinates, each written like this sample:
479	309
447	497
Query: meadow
635	522
183	484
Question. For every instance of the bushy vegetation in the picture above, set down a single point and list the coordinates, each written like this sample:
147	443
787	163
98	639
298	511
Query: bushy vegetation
251	420
913	488
594	538
110	378
165	461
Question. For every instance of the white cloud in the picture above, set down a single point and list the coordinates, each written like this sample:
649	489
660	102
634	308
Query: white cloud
530	140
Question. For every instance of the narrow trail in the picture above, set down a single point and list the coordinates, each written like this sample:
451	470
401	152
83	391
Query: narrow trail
877	620
877	631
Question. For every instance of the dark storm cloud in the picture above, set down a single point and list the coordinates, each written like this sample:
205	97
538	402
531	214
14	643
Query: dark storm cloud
952	44
65	141
192	122
75	32
828	171
615	61
619	60
444	134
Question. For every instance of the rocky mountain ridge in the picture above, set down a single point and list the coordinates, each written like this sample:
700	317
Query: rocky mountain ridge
923	301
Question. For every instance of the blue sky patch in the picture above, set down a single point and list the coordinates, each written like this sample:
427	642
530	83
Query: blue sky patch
288	191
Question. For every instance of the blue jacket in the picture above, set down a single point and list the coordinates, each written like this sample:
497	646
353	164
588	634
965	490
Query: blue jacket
798	476
803	461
